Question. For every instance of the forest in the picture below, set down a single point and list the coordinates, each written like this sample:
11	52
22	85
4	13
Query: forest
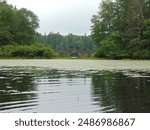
68	45
17	32
121	29
19	38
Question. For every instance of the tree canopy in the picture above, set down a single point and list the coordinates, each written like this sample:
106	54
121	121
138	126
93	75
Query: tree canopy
121	29
17	33
69	44
17	25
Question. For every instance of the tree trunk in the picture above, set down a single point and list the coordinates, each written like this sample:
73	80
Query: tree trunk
135	24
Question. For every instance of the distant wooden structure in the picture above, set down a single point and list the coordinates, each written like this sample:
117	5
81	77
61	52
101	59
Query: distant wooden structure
74	53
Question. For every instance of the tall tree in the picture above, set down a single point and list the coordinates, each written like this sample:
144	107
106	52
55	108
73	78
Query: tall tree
17	26
135	24
25	26
119	27
6	15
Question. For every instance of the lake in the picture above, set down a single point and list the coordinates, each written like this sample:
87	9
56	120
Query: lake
103	86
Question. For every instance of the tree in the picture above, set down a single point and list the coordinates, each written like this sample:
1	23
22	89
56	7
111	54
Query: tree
67	44
106	30
120	28
6	15
17	26
102	23
135	24
25	26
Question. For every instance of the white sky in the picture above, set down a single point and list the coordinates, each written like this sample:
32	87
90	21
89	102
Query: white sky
63	16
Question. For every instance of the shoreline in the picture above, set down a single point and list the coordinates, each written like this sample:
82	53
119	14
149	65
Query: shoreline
69	58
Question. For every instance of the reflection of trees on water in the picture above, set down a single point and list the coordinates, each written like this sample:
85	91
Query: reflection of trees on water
113	92
16	87
116	92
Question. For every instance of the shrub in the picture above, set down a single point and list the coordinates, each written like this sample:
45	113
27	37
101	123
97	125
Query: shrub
32	51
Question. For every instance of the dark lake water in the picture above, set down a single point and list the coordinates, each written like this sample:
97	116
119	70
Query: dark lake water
35	89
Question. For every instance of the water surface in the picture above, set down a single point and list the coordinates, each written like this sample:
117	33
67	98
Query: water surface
74	86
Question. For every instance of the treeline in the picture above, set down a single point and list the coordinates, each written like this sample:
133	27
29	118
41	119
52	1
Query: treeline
121	29
18	37
69	44
17	33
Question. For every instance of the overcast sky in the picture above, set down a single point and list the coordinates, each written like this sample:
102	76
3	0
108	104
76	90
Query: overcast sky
63	16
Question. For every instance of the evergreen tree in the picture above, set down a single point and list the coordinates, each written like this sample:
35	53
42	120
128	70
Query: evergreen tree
121	29
16	26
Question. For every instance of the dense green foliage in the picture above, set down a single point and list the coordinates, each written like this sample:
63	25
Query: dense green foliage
27	51
69	44
17	25
17	32
121	29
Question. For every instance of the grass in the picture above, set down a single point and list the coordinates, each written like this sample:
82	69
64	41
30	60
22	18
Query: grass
82	58
62	57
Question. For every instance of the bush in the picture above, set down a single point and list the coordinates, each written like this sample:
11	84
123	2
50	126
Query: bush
32	51
143	54
109	49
